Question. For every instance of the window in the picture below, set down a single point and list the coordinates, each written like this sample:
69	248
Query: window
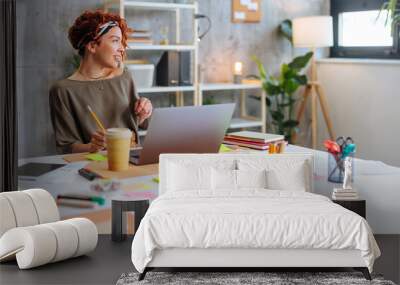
359	32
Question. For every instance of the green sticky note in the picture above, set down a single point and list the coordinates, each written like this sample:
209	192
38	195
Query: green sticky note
156	180
224	148
96	157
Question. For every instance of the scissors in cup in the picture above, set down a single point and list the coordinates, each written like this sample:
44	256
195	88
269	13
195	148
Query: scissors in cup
347	146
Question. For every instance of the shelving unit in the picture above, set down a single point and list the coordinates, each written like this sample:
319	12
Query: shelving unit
123	5
244	121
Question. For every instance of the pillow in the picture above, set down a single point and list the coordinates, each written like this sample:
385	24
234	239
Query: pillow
294	178
283	173
194	174
223	179
182	177
251	179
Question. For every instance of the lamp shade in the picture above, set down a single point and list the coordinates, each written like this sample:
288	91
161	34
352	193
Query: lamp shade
313	32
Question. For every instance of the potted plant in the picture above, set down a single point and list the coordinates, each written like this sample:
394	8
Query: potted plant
392	14
280	92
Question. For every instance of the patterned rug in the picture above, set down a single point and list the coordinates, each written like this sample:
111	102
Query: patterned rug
242	278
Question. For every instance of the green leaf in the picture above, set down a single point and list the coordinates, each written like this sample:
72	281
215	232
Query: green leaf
285	28
383	7
301	79
261	69
277	116
290	124
272	89
287	72
291	85
301	61
285	104
285	68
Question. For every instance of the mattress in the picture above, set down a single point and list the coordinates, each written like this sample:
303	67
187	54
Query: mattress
250	219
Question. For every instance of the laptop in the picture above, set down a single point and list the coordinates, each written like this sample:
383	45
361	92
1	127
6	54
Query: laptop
189	129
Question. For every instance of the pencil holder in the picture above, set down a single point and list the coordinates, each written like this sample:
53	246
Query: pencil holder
336	168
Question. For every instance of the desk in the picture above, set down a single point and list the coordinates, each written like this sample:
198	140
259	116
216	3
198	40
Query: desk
67	180
377	183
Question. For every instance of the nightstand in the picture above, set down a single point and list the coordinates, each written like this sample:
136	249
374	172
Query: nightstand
357	206
118	219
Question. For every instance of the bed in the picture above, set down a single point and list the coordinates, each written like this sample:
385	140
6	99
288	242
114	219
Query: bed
247	210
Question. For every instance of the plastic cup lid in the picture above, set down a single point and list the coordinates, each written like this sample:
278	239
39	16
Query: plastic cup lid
119	133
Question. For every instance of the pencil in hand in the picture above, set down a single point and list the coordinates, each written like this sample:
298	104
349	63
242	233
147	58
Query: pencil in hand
96	119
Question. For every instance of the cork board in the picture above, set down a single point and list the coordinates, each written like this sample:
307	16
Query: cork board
246	11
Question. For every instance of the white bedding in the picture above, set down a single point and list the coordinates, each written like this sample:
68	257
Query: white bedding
251	218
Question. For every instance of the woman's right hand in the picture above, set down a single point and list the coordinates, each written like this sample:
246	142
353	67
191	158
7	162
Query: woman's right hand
98	141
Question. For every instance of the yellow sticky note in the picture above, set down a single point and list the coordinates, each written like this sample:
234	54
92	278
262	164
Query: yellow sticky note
136	186
96	157
224	148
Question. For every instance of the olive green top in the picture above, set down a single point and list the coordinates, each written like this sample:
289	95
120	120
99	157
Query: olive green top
111	99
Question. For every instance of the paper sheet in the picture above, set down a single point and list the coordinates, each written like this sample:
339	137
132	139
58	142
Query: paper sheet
252	6
224	148
136	186
64	174
245	2
240	16
140	195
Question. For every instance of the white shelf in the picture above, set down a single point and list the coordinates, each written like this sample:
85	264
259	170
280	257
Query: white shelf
160	89
157	6
159	47
227	86
237	123
358	61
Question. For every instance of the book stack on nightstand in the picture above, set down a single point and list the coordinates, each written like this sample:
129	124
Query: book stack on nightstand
344	194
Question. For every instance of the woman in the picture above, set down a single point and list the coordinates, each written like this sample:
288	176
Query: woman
100	82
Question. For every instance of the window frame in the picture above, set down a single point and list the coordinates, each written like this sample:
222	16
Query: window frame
382	52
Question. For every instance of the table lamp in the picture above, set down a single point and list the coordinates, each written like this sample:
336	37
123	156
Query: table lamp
314	32
237	72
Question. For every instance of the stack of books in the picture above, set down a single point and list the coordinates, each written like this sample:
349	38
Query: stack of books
254	140
140	37
344	194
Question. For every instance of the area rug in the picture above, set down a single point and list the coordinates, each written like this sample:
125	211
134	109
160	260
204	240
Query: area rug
243	278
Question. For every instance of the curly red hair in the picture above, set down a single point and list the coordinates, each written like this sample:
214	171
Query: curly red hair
87	25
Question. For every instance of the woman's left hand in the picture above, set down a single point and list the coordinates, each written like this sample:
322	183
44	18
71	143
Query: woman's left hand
143	109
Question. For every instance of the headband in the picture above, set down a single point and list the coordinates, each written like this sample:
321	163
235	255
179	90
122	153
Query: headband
103	30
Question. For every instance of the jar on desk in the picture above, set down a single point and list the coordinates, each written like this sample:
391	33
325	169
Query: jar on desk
336	168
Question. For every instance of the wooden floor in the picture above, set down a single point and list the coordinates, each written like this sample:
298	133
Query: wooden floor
110	260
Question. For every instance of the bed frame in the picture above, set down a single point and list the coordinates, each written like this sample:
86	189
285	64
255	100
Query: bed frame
242	259
246	258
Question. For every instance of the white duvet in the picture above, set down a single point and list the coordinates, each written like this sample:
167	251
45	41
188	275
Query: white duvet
252	218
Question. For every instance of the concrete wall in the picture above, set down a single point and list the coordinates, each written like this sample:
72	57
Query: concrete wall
364	103
44	53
